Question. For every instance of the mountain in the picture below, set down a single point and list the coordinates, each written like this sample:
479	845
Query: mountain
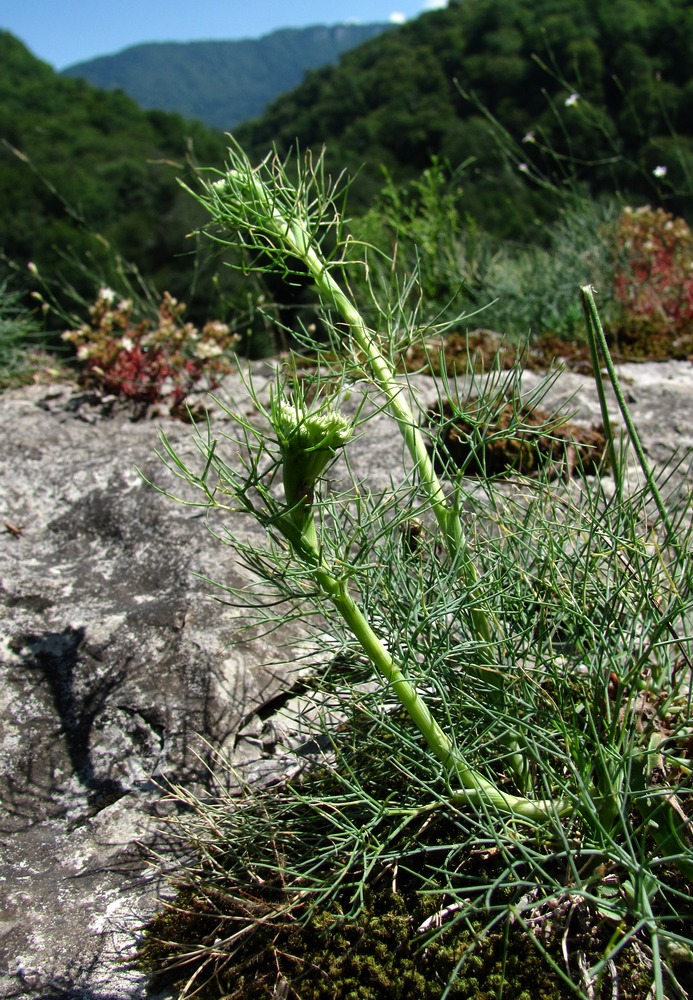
593	94
81	168
595	97
222	83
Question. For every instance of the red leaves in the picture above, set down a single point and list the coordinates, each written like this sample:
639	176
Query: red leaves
148	361
653	280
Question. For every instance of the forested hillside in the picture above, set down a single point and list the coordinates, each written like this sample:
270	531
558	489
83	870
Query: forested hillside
80	165
222	83
514	100
594	92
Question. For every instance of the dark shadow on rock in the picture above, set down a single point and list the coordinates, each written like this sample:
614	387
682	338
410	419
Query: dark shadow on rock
77	987
55	657
78	993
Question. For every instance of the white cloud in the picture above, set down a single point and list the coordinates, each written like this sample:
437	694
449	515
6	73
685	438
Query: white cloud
397	17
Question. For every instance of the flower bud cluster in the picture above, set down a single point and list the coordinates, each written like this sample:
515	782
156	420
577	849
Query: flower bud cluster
308	440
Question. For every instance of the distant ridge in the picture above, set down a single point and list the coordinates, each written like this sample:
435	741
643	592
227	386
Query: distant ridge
222	83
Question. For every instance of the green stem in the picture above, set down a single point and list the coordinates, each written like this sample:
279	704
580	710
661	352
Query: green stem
596	367
477	788
597	331
296	238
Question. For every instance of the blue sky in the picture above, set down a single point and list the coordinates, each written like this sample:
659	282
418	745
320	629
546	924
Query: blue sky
62	32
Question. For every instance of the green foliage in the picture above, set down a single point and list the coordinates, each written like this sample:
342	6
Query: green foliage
422	223
221	83
504	722
87	176
639	259
398	100
23	349
531	290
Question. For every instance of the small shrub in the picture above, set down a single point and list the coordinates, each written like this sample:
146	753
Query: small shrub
504	721
653	278
148	362
423	221
531	290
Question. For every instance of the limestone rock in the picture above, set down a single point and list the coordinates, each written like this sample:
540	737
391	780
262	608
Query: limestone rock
117	664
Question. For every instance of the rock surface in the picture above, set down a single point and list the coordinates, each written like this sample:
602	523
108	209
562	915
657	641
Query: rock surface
116	664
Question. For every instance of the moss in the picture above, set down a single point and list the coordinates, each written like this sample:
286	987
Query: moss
244	931
377	954
519	439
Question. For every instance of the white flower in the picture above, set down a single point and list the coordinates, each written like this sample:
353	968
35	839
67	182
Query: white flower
107	295
127	344
571	100
529	137
214	330
523	168
208	349
660	171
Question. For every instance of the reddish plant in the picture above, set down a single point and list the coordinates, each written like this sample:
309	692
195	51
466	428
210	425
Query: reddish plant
146	361
653	276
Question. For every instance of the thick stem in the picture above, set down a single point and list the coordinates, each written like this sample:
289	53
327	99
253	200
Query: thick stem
294	238
298	240
477	788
